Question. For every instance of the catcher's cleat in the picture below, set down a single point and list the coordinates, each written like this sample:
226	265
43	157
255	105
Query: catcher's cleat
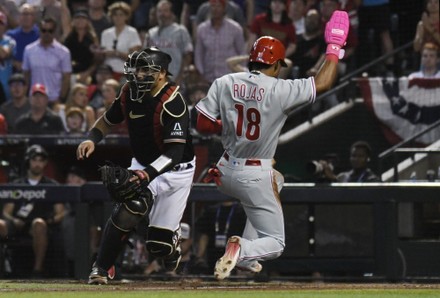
171	263
99	276
227	262
253	267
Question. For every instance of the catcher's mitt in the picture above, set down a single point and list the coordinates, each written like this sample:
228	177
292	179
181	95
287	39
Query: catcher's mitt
119	186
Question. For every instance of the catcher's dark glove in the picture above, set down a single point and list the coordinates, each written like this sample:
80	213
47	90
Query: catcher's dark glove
117	181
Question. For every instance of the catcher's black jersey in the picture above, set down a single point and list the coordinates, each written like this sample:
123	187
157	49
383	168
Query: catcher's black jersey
154	122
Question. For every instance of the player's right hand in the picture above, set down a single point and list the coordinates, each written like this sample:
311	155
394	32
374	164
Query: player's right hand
85	149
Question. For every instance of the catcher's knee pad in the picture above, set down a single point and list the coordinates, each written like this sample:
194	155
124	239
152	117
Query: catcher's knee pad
161	242
127	215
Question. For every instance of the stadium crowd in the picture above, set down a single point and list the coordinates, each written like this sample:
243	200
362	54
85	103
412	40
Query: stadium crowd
73	48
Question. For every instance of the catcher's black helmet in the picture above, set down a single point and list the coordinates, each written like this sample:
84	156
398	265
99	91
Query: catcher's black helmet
151	60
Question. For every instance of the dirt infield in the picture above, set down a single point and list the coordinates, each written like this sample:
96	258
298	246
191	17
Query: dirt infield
196	284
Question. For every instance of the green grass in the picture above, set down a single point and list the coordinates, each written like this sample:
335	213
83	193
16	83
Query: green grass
159	290
230	293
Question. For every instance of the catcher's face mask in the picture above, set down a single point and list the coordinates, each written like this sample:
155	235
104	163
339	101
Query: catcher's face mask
141	73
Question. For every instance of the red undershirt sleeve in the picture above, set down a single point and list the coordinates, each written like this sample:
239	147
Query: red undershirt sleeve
205	125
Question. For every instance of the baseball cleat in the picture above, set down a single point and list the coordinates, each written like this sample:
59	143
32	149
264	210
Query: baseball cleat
254	267
227	262
99	276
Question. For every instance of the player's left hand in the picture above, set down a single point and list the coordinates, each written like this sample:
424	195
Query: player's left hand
336	32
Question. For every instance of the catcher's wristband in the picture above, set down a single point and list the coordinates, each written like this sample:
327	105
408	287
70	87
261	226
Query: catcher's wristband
95	135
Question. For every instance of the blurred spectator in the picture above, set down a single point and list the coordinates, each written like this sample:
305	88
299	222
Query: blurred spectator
195	94
18	103
110	89
103	73
261	6
374	29
351	7
119	40
3	125
26	33
99	19
152	21
428	28
217	39
231	10
75	176
40	120
75	122
171	38
297	12
48	62
429	63
77	98
213	228
248	7
141	12
84	47
10	9
360	156
35	218
57	10
310	46
191	78
276	23
3	231
7	52
188	15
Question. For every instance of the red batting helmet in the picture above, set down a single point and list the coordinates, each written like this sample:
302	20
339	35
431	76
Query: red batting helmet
268	50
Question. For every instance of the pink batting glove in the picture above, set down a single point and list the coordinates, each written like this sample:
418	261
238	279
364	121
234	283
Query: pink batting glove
336	32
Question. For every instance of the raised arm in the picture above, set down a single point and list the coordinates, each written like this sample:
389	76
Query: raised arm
336	32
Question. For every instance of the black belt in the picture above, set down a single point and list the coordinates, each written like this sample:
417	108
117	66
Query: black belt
181	167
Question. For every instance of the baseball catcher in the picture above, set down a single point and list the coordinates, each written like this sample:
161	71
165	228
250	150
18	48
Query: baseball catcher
159	179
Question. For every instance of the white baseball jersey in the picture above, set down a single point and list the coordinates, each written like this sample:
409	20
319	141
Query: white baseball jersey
253	108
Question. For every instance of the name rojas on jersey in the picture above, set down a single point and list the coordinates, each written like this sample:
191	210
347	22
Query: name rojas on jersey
248	92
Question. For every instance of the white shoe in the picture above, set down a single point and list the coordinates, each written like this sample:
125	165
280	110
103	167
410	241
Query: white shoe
253	267
227	262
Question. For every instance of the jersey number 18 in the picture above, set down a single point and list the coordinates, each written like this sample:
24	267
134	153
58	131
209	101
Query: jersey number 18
253	119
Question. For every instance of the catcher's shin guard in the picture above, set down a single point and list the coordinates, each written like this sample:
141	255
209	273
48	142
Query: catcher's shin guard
161	242
127	215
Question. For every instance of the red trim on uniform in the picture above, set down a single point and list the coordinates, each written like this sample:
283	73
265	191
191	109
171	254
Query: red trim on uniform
204	113
158	128
205	125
